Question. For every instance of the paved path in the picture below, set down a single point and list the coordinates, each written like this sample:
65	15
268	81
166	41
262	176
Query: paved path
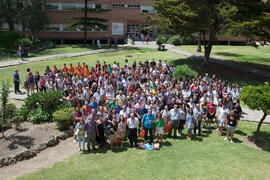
59	56
45	158
172	48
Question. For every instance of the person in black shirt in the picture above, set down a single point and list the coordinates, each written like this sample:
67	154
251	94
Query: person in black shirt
231	123
237	111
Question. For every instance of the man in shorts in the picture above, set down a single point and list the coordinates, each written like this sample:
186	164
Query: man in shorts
231	123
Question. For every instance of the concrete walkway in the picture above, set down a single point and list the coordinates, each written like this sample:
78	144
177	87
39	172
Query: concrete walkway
172	48
59	56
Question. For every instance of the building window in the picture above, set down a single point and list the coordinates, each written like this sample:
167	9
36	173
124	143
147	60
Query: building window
69	7
51	6
53	27
147	9
118	5
5	27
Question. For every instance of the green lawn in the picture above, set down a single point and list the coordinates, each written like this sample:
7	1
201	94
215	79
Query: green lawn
90	60
246	55
209	157
140	54
60	49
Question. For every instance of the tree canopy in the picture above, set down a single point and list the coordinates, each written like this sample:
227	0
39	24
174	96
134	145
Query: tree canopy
209	17
257	98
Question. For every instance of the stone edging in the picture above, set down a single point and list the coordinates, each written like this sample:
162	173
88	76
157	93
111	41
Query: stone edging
30	153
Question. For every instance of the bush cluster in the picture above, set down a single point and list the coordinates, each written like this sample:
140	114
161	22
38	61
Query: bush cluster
39	107
161	40
63	118
184	71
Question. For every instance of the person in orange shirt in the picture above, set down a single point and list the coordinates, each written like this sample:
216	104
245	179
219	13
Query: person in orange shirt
79	65
65	69
86	71
84	66
79	72
71	69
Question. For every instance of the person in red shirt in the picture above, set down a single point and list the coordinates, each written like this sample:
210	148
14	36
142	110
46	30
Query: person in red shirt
93	71
98	73
211	111
98	65
71	69
104	67
86	109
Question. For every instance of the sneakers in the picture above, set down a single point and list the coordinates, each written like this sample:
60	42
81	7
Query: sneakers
179	134
225	139
217	129
231	141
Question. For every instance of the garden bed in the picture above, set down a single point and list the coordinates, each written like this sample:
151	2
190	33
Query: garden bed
28	141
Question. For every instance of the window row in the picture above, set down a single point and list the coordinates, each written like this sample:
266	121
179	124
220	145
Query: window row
72	6
125	6
63	28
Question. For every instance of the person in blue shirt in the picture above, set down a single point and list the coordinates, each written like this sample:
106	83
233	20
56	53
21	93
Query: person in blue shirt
16	80
148	120
93	104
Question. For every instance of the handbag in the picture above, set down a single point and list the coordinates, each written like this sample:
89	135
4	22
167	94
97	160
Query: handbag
168	127
142	134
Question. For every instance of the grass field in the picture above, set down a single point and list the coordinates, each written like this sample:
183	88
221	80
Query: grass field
140	54
60	49
246	55
208	158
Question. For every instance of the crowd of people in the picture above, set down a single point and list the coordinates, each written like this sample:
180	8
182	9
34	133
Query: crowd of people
113	103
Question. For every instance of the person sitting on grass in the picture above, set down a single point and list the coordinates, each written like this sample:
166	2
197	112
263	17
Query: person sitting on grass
231	123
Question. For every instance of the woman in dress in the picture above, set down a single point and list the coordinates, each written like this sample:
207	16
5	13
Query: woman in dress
100	132
159	127
121	130
190	123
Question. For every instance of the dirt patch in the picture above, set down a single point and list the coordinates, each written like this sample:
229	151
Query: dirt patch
29	136
129	56
261	144
44	159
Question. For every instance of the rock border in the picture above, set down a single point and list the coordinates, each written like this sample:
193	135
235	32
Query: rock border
32	152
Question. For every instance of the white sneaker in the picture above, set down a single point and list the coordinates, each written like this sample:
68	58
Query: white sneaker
217	129
179	134
231	141
75	140
225	139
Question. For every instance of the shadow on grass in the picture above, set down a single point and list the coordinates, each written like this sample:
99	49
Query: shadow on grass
263	140
227	54
222	72
241	133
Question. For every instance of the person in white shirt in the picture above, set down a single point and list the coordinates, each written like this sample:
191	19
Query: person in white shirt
125	111
198	117
174	117
222	114
120	98
132	124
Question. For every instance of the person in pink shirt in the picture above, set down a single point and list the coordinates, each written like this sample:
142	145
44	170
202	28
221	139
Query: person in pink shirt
86	109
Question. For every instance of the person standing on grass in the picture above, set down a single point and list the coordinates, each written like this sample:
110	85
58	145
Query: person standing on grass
37	78
147	38
198	117
159	127
231	123
190	123
121	131
211	110
91	132
222	114
32	82
77	115
113	132
182	120
174	117
100	131
27	85
16	80
132	124
80	129
148	120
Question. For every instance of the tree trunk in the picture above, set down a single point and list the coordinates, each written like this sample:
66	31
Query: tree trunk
199	49
208	48
259	127
85	22
2	131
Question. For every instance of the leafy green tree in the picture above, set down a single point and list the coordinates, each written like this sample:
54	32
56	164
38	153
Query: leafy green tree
8	9
88	23
209	17
34	16
4	103
257	98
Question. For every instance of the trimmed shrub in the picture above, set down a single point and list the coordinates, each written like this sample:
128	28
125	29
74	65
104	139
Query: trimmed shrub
63	118
161	40
188	40
175	40
38	116
184	71
25	42
8	39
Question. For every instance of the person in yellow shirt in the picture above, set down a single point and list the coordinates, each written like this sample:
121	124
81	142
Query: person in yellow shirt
155	91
